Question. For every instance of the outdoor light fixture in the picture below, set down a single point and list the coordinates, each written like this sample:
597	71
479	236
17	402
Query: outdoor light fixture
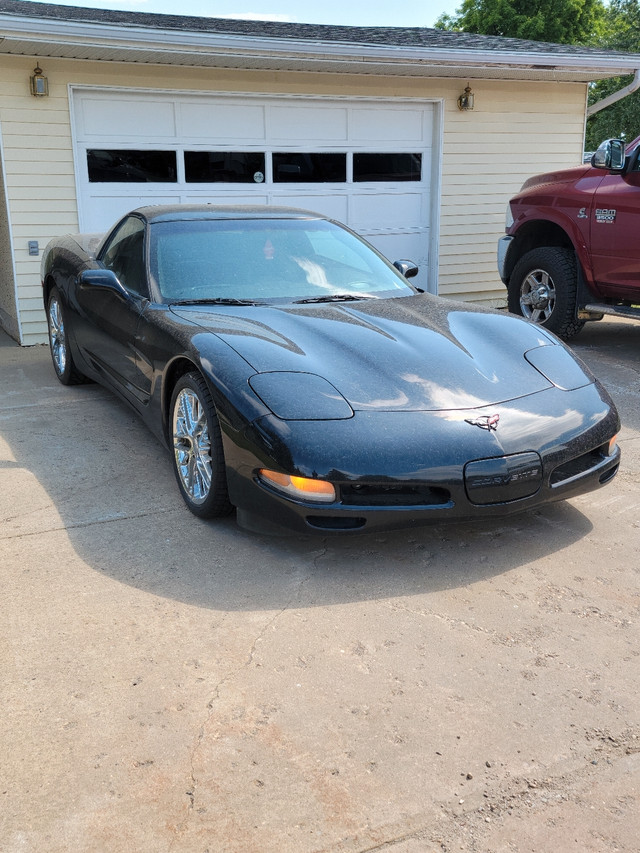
465	101
39	83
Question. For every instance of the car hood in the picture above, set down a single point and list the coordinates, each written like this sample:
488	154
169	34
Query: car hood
418	353
562	176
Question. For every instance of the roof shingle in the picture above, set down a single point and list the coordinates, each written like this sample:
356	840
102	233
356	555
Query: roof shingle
407	37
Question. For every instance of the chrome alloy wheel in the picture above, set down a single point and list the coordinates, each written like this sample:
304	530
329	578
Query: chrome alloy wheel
57	337
192	445
537	296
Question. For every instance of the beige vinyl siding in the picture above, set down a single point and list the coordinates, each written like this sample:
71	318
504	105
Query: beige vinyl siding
8	312
40	180
516	129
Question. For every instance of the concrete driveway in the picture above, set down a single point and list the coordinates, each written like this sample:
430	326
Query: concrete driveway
170	684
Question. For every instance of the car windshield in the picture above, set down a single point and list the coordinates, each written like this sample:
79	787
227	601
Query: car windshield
239	261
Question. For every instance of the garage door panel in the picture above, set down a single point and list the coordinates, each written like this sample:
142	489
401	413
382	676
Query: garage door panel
400	127
328	204
387	210
127	119
307	125
224	198
244	123
411	246
104	211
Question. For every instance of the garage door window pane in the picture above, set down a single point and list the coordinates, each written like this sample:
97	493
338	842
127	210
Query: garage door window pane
231	167
131	167
297	168
387	167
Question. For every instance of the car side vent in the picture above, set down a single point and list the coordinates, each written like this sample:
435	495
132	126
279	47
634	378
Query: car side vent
576	467
338	522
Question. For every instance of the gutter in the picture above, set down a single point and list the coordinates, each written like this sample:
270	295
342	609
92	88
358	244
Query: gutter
616	96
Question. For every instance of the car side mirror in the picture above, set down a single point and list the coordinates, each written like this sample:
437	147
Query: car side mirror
610	155
407	268
104	280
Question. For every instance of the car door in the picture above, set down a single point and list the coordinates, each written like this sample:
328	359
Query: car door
615	226
109	319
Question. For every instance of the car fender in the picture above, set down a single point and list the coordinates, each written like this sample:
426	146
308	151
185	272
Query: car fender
227	374
537	226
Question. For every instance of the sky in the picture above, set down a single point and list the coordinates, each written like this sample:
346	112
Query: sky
405	13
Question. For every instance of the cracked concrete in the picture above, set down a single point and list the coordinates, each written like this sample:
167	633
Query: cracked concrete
175	685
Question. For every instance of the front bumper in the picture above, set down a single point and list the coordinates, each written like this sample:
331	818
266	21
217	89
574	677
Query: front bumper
406	469
504	243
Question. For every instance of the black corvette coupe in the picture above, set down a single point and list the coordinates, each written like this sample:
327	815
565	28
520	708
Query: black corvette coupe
298	376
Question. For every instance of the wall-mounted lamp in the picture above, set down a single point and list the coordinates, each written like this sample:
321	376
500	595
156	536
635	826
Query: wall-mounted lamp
465	101
39	83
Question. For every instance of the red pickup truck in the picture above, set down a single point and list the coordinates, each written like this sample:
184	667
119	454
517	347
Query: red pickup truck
571	252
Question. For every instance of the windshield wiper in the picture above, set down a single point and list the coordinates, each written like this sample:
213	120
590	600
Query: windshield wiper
333	297
217	301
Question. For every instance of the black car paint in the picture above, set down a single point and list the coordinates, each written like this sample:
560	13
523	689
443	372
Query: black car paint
408	349
394	361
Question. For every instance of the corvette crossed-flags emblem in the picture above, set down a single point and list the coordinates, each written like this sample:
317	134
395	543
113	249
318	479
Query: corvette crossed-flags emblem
488	422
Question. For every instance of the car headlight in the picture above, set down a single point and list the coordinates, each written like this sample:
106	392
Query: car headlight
299	487
561	368
300	396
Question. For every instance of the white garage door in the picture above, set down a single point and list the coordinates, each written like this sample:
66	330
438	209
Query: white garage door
366	163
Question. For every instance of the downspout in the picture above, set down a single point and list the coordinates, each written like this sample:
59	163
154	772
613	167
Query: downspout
616	96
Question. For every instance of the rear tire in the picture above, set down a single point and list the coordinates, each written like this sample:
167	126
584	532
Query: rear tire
63	362
543	288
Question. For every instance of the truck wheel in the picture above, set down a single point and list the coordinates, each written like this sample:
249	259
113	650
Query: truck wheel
543	288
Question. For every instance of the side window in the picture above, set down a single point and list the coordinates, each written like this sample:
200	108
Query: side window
124	255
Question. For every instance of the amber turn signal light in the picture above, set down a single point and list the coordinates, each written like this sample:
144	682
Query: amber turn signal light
299	487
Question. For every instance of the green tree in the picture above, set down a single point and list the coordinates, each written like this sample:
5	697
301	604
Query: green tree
622	119
558	21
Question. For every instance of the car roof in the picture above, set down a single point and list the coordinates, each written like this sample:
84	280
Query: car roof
186	212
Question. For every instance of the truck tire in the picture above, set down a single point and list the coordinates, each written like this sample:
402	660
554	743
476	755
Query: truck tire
543	288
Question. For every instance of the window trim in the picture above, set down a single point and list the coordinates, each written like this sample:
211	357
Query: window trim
269	170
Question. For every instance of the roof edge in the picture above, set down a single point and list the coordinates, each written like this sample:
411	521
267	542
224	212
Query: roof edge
131	34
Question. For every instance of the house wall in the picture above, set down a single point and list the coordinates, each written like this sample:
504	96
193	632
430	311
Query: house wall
516	129
8	303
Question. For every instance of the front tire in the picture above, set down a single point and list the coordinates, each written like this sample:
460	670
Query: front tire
198	459
543	288
63	362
